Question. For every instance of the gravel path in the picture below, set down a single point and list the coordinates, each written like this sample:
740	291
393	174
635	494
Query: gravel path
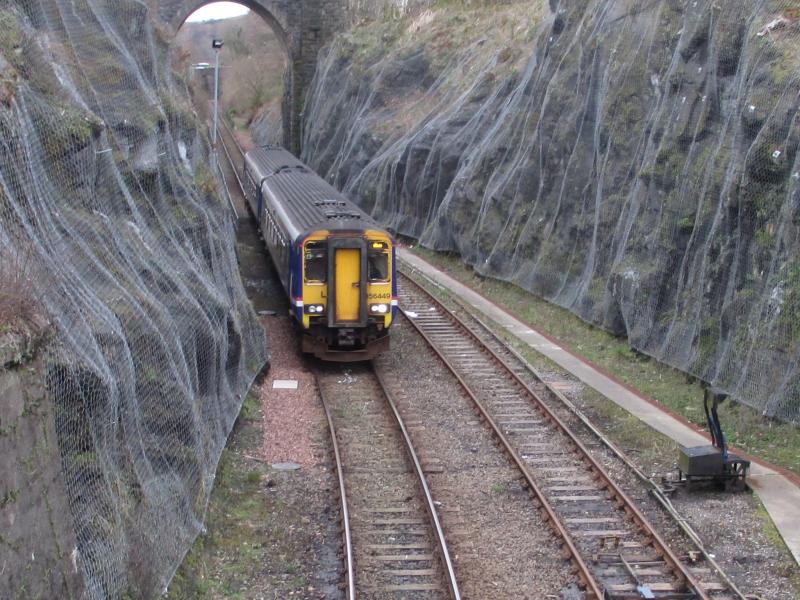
271	534
291	417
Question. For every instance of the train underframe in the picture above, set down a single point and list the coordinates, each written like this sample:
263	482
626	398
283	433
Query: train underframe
346	344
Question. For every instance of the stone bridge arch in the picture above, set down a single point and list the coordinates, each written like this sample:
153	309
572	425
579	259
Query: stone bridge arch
302	26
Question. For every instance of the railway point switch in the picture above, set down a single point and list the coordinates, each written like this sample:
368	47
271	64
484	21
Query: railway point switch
711	463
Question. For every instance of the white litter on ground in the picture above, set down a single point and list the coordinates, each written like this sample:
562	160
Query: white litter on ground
284	384
348	378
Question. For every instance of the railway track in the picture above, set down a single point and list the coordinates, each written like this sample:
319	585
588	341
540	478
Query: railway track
226	129
617	553
393	541
549	387
394	545
234	156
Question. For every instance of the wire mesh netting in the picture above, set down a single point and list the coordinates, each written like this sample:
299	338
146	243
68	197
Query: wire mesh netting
379	9
634	162
108	202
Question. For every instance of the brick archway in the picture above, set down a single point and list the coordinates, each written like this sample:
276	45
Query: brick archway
302	26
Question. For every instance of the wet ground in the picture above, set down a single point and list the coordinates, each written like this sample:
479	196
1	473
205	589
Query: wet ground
258	273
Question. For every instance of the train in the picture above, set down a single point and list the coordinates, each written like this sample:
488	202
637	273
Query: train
336	264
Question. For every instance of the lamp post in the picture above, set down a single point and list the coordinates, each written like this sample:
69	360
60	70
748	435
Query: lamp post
216	44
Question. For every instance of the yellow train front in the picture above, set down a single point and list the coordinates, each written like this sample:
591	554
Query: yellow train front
335	263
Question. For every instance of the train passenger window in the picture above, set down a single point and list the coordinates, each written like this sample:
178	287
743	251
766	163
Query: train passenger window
378	262
316	259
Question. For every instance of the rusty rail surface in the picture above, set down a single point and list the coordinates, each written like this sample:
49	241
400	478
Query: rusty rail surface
446	325
348	538
430	506
449	586
231	162
560	399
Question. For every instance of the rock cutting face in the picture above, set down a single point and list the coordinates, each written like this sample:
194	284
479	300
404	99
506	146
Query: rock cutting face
150	341
635	164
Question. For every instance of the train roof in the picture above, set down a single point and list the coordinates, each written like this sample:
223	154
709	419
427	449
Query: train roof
304	200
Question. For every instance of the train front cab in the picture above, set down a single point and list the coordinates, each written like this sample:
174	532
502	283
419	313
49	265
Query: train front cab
348	297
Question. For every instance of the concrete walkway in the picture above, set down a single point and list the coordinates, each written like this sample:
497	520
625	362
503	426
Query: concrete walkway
780	496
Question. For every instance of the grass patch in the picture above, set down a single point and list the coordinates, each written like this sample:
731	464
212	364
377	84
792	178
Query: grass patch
776	442
498	488
246	525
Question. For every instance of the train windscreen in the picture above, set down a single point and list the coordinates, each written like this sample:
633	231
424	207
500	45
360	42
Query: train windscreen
316	262
378	262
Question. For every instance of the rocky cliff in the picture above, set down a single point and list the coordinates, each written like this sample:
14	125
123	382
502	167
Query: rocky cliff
635	162
38	544
118	249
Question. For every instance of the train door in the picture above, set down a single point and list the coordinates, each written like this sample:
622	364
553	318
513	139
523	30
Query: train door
348	284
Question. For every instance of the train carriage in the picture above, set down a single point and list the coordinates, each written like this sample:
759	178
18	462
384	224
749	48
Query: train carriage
335	262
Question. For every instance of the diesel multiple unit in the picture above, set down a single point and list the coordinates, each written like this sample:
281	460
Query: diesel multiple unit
335	263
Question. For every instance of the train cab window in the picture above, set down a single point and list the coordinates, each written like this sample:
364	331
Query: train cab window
316	260
378	261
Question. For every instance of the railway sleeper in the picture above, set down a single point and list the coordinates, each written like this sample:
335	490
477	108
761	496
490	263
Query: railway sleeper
466	358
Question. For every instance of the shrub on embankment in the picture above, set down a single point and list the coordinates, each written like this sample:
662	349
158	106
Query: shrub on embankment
134	342
633	162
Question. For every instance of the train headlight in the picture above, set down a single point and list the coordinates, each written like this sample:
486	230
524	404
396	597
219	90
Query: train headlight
380	309
315	309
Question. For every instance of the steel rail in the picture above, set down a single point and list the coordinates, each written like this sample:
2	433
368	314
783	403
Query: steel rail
656	491
452	582
233	168
550	515
233	137
225	184
616	492
348	541
221	139
231	163
228	154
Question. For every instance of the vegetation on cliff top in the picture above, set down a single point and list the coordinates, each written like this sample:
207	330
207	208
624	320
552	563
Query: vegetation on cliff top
500	37
253	63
